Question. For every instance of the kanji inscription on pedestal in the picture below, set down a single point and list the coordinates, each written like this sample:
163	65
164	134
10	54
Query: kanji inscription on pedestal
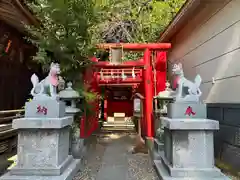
42	110
189	111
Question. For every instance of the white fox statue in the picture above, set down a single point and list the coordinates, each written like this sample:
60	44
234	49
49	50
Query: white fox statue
39	89
194	91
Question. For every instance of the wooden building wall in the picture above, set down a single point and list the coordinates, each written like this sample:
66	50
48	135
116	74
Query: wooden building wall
16	68
209	45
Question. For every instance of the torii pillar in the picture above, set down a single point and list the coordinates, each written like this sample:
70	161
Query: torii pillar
148	84
148	91
147	72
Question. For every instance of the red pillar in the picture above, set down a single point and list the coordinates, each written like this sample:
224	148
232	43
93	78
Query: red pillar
148	88
161	70
105	109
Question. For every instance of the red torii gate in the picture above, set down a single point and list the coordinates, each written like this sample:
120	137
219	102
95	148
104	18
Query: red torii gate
93	78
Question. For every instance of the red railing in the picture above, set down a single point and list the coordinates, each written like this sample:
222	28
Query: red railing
126	75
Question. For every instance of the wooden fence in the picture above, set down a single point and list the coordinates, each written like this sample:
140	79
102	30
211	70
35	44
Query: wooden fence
8	135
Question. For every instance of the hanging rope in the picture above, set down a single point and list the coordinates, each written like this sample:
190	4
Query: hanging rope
133	73
110	55
112	75
122	54
123	75
101	75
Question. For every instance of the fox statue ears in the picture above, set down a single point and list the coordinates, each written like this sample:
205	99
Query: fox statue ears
178	65
54	64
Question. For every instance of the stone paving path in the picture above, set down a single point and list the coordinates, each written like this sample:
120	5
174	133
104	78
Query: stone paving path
110	158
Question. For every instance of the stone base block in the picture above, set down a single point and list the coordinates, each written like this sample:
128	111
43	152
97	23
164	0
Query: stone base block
44	171
40	148
68	174
189	172
189	143
39	123
164	174
187	110
49	108
158	146
188	124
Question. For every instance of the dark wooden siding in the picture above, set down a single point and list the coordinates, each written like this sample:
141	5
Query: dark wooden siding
16	68
227	139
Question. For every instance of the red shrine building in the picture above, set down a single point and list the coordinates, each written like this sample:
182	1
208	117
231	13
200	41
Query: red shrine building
118	82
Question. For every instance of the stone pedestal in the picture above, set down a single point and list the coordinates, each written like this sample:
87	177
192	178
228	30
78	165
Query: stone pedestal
45	109
43	145
180	110
188	144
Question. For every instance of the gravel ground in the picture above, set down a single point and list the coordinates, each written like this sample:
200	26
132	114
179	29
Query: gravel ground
110	157
233	177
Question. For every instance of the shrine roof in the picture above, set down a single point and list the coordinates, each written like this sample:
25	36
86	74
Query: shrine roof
15	13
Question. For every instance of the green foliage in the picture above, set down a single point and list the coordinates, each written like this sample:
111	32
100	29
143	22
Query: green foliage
70	29
138	20
28	100
135	20
64	34
84	91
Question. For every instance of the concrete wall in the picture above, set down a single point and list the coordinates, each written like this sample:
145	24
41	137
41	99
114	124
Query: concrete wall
210	45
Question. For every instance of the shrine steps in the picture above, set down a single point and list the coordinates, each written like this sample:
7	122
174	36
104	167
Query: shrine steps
118	126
